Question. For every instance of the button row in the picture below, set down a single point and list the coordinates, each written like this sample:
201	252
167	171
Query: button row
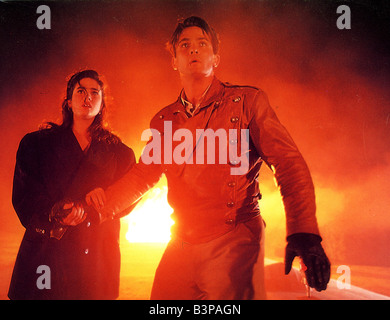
41	231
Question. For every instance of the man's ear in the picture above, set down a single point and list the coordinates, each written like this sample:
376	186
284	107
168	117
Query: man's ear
174	66
217	60
69	103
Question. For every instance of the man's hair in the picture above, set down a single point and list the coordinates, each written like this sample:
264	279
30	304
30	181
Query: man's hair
193	21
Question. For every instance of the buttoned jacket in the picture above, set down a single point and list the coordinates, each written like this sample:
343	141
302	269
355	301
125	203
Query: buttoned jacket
209	199
85	262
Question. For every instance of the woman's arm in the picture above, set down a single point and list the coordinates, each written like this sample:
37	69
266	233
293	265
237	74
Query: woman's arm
29	196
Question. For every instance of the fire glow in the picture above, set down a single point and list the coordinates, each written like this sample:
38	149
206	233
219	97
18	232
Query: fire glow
150	221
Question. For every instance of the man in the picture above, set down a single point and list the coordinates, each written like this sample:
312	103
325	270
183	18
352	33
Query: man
217	248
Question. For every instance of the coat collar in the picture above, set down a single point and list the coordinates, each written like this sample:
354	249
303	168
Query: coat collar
214	93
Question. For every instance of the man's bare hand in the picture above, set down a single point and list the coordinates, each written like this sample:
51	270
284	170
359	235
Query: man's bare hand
96	198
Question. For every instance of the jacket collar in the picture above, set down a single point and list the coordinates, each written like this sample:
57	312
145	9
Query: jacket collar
214	93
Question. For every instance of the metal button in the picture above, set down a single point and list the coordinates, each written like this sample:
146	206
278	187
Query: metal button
234	162
229	221
88	224
234	119
41	231
230	204
86	251
161	116
233	141
231	184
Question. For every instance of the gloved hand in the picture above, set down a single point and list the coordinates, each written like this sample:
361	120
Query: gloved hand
59	212
64	214
308	247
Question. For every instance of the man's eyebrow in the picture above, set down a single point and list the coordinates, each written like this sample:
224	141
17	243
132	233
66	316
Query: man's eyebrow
184	39
187	39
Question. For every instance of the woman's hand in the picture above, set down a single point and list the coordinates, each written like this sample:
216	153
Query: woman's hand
75	217
96	198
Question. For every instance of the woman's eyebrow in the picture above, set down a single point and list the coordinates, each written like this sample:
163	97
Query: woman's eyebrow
92	88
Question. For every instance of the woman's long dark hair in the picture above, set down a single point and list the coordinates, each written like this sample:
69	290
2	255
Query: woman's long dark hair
99	128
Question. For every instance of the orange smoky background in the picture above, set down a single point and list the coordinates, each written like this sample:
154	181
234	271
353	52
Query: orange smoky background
329	87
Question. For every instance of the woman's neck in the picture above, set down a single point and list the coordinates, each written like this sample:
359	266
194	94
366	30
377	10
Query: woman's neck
80	130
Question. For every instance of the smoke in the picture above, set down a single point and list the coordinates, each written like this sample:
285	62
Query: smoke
329	87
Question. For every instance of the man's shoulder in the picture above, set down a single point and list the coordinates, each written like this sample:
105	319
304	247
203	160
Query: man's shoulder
240	87
166	112
239	91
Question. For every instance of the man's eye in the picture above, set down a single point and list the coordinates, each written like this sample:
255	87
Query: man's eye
202	44
184	45
80	91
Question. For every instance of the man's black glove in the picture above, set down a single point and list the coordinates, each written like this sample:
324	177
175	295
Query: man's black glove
308	247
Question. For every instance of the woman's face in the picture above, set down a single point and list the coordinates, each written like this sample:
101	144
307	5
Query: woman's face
86	99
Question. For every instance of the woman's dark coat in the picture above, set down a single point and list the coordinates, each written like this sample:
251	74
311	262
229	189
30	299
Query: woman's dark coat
85	262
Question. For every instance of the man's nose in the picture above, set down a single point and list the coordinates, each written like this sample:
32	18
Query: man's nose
194	50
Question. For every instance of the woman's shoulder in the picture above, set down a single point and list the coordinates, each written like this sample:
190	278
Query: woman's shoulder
41	133
45	136
113	141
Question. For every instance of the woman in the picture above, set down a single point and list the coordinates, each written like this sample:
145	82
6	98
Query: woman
55	167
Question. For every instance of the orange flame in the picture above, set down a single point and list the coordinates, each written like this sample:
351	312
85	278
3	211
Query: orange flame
150	221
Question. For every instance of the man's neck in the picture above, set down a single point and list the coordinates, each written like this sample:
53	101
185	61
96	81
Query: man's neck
194	88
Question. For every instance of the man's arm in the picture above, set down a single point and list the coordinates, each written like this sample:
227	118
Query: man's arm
278	150
129	189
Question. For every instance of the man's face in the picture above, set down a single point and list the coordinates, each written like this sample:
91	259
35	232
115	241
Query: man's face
194	54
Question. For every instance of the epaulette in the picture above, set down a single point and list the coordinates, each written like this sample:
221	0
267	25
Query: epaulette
229	85
166	110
